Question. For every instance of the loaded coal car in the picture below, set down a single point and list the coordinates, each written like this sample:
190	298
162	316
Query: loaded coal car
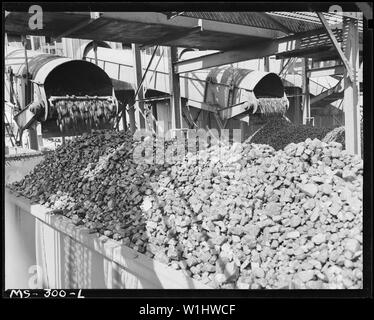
66	97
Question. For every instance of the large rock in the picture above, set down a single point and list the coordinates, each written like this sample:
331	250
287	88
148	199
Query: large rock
310	189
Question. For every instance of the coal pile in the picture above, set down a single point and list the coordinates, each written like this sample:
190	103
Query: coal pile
278	133
95	181
337	135
74	114
242	216
272	106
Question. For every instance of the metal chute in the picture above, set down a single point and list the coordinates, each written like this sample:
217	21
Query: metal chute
68	97
238	92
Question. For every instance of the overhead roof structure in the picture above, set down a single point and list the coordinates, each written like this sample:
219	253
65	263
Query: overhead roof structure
203	30
238	36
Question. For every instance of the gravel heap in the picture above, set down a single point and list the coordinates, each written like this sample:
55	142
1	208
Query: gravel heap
263	218
245	216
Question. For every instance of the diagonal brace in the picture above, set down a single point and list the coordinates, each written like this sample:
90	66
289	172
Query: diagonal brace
337	46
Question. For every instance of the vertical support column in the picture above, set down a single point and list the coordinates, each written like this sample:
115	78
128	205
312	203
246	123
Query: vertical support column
297	101
154	113
266	64
243	130
175	97
123	117
306	96
131	114
95	51
33	138
351	88
139	105
32	38
39	135
26	75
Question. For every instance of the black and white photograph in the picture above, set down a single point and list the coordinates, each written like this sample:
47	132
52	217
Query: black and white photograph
203	149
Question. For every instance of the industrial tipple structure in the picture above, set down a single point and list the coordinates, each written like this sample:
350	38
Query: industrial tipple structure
168	72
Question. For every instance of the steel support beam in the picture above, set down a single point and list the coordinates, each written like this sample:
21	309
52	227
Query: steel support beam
254	51
351	89
257	50
175	101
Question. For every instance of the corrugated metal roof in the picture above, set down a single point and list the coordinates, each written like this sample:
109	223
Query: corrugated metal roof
292	21
310	18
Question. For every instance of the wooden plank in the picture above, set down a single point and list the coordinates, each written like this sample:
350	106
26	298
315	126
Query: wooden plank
337	45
